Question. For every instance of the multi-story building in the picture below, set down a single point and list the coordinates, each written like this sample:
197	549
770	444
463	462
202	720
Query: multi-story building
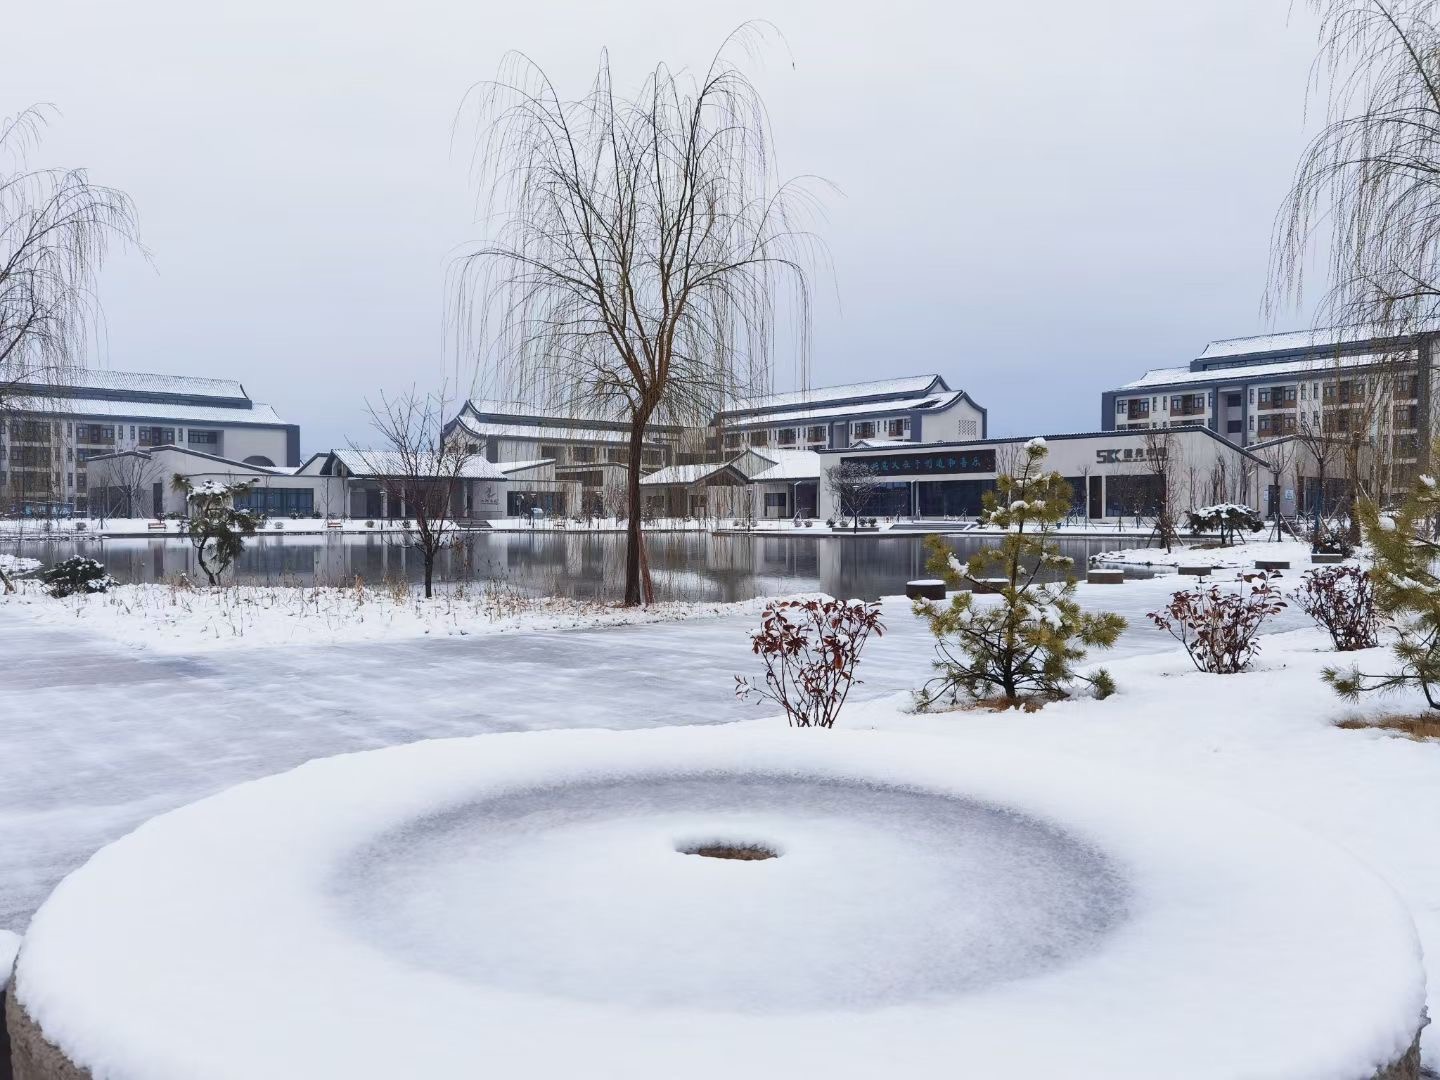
49	431
1341	382
921	408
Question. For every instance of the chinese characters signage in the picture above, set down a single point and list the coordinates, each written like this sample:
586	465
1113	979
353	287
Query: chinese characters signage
928	463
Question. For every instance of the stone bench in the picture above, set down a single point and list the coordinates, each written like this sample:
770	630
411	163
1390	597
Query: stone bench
925	589
1196	571
1326	558
1272	564
1105	577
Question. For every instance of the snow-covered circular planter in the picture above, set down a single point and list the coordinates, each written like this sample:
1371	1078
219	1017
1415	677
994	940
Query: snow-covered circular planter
532	905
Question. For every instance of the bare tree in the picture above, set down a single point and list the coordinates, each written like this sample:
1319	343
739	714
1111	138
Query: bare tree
129	481
56	228
1369	181
1324	450
854	486
641	248
1163	465
418	469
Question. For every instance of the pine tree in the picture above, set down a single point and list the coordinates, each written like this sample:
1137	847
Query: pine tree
216	529
1407	594
1024	648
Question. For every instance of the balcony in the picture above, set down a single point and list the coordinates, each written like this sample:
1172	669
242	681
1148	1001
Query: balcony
1138	412
1188	410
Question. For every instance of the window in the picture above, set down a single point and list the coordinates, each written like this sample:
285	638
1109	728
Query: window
277	500
759	438
1265	396
775	500
816	433
209	438
95	433
1119	408
156	436
897	429
733	440
618	455
863	429
30	431
554	453
1232	427
651	457
785	436
582	455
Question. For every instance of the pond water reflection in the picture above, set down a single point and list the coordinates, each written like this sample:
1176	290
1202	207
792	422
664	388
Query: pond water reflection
684	566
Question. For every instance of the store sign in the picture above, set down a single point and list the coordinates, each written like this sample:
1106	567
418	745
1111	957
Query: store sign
1135	453
928	463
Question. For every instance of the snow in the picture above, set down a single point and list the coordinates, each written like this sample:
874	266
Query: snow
17	564
99	737
912	384
1312	367
789	465
182	618
517	905
1208	553
254	412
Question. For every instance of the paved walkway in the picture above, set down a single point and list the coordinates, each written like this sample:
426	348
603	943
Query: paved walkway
96	737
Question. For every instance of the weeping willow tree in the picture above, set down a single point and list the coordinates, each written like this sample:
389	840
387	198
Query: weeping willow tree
1368	188
642	250
56	228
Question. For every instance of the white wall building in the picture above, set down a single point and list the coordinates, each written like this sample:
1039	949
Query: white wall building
53	430
919	408
1111	474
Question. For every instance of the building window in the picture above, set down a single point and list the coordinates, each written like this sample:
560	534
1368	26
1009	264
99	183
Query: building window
1232	427
816	434
897	429
582	455
785	436
156	436
1120	407
775	500
277	500
733	440
759	438
618	455
202	438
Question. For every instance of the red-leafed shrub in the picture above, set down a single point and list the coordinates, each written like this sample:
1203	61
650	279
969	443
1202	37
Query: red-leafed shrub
1219	627
810	649
1341	600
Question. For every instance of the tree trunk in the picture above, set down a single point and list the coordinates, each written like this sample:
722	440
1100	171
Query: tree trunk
429	571
633	536
5	580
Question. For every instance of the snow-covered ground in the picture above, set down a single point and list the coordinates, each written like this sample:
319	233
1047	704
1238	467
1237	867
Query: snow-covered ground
528	905
96	737
179	618
1191	552
18	564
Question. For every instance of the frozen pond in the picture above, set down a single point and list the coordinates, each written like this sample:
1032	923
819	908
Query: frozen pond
685	566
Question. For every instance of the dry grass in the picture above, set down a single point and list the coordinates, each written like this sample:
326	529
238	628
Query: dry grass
1422	726
743	853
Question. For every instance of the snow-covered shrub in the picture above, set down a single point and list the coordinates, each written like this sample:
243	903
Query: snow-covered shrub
1341	600
1218	627
76	575
1332	538
1227	519
810	649
1407	595
1025	647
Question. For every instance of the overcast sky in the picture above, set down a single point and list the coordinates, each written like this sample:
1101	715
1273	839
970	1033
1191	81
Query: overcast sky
1038	201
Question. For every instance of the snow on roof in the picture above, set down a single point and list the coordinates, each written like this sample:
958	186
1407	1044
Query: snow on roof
789	465
392	463
559	432
926	403
685	474
914	384
1316	364
258	413
508	467
1292	340
143	382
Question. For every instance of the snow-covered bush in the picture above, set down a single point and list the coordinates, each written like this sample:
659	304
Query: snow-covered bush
1219	628
1407	595
1025	647
1341	600
1332	538
76	575
1227	519
810	649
